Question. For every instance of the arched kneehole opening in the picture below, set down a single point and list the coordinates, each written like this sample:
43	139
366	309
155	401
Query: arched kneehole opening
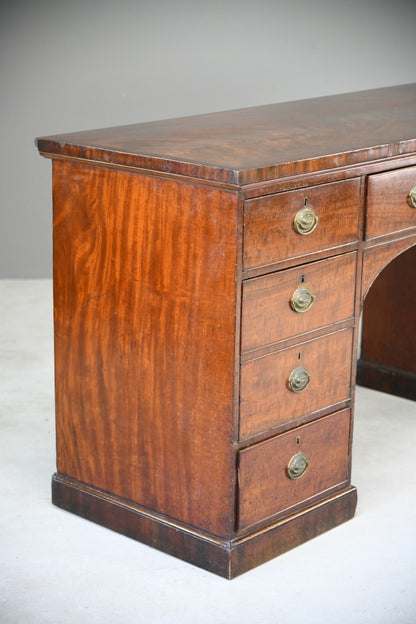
387	359
385	421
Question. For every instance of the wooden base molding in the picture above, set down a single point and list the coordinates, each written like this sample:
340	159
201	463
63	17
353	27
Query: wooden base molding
226	558
387	379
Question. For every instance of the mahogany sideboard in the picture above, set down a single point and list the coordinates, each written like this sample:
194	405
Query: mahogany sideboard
209	277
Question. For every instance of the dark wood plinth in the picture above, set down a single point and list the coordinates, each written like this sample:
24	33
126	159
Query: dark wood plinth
387	379
223	557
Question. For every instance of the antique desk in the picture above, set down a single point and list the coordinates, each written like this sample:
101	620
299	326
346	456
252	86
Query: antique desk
209	277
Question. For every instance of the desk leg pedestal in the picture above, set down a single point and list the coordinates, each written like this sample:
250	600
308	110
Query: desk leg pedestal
227	558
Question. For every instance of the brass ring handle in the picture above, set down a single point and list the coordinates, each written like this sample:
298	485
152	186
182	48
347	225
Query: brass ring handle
411	198
299	379
297	466
305	221
302	299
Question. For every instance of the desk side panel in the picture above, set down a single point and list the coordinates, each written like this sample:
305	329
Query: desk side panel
145	317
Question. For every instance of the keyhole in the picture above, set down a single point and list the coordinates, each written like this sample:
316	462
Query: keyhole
298	440
302	278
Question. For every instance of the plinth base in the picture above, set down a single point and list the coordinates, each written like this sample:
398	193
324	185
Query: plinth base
387	379
227	558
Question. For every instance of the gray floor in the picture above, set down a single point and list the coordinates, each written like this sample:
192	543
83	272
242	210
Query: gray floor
57	568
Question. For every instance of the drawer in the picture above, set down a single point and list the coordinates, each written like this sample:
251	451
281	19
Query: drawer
298	300
270	234
270	474
266	399
389	206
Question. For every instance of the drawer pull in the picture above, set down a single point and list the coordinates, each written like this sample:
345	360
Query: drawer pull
302	299
297	466
411	199
305	221
299	379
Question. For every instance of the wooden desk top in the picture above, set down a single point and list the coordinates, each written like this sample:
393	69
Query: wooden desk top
261	143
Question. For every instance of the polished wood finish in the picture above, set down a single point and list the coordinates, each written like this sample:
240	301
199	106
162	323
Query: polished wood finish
176	257
269	235
387	207
256	144
136	265
266	400
267	316
263	485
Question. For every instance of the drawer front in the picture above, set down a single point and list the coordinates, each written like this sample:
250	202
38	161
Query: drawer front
266	399
389	207
270	233
297	300
271	477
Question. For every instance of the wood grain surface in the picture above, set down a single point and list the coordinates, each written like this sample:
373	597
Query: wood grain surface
387	206
259	143
266	400
267	316
144	359
264	487
269	235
